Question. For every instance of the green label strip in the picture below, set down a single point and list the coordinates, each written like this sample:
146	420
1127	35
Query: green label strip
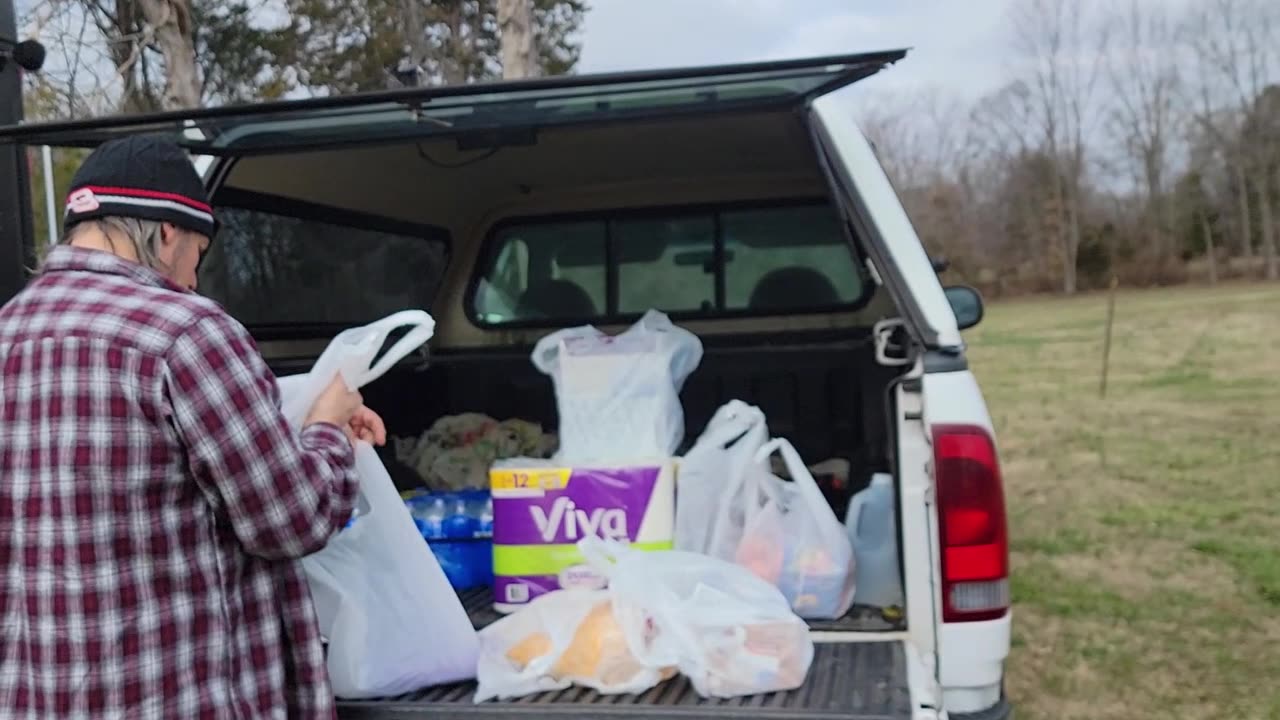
513	560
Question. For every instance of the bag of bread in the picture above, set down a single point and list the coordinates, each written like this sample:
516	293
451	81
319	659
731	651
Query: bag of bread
729	631
563	638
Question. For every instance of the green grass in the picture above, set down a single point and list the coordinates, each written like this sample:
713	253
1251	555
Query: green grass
1145	527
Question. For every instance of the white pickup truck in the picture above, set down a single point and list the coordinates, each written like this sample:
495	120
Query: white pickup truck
741	200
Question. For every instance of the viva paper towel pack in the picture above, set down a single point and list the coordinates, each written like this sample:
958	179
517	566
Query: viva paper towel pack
541	512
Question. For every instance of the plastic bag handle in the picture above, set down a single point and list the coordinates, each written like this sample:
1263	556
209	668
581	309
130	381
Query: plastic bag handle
687	352
546	352
734	420
352	351
685	349
799	472
423	328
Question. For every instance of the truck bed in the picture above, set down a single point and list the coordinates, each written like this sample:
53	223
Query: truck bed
856	681
479	606
847	680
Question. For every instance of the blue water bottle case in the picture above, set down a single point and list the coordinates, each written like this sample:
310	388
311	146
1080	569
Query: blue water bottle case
458	527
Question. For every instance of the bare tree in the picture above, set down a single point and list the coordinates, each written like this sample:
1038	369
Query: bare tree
516	33
1210	250
76	80
924	150
169	22
915	134
141	40
1235	46
1060	64
1143	85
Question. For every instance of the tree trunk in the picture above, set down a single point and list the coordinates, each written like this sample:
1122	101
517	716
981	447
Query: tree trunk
1073	248
170	21
126	55
416	30
1210	251
1155	216
515	30
452	66
1069	232
1246	222
1268	227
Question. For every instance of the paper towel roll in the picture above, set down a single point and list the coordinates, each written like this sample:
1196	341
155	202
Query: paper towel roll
540	512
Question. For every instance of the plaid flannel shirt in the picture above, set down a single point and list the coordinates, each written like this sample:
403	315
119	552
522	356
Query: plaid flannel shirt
154	505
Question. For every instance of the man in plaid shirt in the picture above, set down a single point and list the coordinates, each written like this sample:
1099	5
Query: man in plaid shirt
154	503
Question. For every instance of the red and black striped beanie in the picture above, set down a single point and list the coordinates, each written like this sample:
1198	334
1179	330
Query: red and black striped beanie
142	176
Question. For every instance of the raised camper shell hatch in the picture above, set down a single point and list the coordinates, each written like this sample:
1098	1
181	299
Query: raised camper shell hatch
496	114
481	113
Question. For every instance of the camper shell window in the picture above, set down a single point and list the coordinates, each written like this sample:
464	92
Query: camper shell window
702	262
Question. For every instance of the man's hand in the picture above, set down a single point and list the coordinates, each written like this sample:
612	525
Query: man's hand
367	426
345	408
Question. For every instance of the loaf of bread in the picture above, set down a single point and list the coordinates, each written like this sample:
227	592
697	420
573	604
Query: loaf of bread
531	648
597	656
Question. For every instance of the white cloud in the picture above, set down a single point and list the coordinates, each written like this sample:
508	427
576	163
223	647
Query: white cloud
631	35
838	34
955	45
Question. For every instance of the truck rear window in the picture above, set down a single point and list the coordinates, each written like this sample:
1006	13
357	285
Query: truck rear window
689	262
280	263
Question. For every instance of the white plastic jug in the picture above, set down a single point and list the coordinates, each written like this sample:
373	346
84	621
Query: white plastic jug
873	530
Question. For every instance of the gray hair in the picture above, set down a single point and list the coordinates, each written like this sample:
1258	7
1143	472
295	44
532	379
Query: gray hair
142	235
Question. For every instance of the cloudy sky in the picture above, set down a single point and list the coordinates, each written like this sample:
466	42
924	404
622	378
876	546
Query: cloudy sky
958	45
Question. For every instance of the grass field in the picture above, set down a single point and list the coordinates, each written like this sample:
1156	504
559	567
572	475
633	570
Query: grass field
1145	527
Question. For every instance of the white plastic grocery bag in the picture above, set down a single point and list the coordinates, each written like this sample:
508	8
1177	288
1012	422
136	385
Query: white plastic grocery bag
793	539
729	631
618	397
710	507
351	355
393	621
562	638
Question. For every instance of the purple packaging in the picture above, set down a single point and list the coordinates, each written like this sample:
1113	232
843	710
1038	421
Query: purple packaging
540	512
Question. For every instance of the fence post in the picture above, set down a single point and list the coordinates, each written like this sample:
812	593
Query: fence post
1106	343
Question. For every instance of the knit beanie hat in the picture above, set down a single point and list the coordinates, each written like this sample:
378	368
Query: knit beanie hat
142	176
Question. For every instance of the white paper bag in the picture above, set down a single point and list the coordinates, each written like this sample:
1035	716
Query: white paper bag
393	621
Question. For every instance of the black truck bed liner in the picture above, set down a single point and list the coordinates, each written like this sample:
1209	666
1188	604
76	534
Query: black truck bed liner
856	681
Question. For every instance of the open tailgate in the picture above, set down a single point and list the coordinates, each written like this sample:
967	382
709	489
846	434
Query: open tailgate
861	680
854	681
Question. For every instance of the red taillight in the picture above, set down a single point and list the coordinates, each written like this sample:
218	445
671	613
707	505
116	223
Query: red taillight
971	522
